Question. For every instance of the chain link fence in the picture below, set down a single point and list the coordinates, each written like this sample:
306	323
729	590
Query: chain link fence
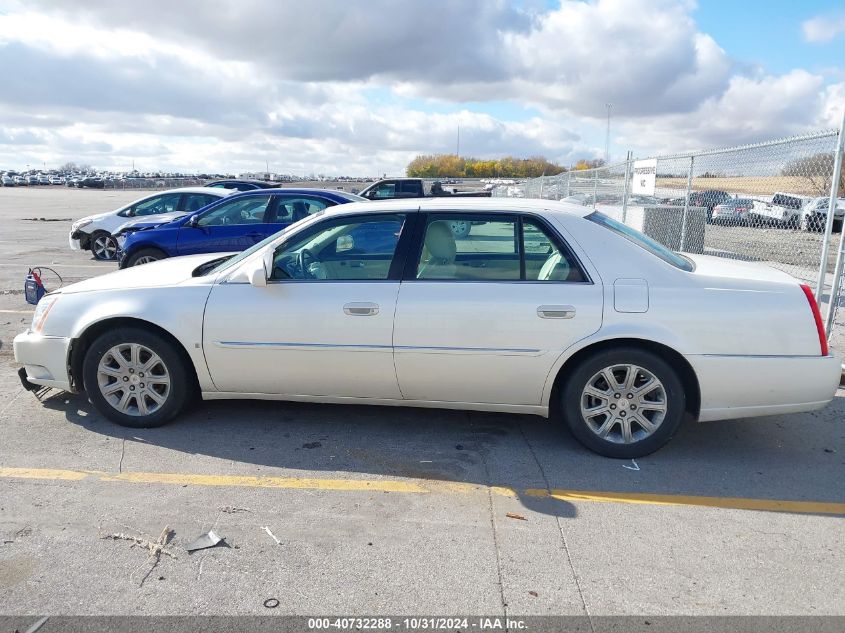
766	202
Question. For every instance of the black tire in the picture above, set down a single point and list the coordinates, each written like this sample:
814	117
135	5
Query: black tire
135	259
571	399
177	396
109	252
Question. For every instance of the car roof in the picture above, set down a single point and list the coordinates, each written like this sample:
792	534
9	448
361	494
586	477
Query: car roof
275	191
464	205
191	190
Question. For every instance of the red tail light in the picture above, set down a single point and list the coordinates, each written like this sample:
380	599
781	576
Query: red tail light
814	308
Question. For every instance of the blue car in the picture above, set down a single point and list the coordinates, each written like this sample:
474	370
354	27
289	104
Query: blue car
231	224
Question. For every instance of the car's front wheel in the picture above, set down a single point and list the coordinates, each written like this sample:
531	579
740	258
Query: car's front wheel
623	403
145	256
103	246
135	378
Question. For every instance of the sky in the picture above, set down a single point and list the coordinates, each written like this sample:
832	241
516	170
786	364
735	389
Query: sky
360	87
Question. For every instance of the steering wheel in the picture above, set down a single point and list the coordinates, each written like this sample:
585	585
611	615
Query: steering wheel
304	260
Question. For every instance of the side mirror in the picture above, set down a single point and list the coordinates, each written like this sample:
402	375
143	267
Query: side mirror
193	221
258	274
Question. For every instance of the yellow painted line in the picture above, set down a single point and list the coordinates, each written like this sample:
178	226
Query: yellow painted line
293	483
425	487
730	503
42	473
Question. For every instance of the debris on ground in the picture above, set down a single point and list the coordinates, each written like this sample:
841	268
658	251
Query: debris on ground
533	593
514	515
312	445
271	603
154	548
272	536
234	510
204	541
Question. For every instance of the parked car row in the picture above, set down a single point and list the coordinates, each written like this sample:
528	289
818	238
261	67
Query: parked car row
18	180
546	308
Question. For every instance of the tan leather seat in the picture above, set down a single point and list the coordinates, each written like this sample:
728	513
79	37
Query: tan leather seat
555	268
441	250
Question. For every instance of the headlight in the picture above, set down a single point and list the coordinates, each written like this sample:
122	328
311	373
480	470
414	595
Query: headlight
41	311
80	224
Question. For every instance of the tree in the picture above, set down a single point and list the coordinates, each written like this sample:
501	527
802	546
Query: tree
818	171
453	166
589	164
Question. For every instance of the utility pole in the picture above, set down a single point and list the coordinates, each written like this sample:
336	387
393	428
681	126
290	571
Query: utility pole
458	149
609	106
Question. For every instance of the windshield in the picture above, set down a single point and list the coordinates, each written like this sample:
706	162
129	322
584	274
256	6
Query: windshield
228	263
643	241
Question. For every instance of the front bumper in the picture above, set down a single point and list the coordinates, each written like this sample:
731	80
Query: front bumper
44	359
79	240
751	386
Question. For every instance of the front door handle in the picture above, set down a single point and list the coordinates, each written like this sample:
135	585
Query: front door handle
361	309
556	312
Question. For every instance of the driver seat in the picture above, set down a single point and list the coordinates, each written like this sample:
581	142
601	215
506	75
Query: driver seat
441	248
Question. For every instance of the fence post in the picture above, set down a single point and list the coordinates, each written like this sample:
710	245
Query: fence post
625	192
836	286
568	182
595	186
686	204
831	207
542	182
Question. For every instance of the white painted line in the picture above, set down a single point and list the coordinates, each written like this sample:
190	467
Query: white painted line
17	311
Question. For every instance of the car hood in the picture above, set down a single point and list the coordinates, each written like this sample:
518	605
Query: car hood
94	218
167	272
710	266
152	221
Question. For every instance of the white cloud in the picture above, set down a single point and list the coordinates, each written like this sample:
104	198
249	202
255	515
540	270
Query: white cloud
339	86
823	28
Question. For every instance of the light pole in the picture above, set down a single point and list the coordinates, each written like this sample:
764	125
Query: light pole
609	106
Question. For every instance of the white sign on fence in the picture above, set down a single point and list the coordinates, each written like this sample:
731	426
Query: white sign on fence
645	172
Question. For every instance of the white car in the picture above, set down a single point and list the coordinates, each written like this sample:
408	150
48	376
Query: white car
785	208
546	308
96	232
814	214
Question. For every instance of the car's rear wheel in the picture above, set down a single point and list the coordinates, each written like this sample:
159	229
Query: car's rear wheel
135	378
145	256
623	403
460	228
103	246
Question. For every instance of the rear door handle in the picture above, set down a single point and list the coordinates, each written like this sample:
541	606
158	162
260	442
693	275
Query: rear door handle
556	312
361	309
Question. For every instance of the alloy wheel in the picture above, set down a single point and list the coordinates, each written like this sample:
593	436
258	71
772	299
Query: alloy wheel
624	403
104	247
133	379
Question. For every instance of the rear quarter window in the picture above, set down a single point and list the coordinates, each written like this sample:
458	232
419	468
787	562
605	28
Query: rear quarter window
643	241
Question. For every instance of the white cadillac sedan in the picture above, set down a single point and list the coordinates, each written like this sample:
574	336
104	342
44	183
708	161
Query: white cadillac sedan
544	308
